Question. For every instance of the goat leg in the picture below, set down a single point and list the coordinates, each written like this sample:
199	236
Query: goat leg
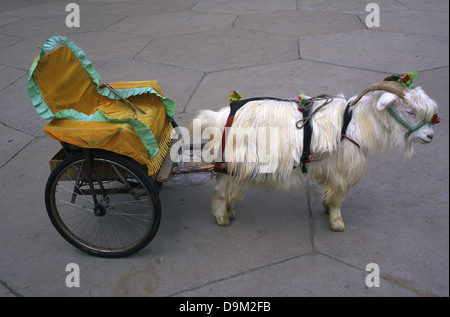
332	201
219	202
335	219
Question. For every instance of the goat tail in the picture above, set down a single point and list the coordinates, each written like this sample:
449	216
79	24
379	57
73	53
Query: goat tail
209	119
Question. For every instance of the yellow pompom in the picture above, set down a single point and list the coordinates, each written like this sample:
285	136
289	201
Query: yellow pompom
235	96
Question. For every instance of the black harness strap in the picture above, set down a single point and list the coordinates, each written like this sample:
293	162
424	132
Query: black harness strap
307	136
307	133
347	118
235	105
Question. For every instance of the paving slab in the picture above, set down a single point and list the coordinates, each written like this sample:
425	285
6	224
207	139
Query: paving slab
24	219
52	8
243	7
17	110
47	26
144	7
432	5
300	22
7	40
5	292
11	143
435	83
5	19
9	75
109	46
218	50
414	22
174	23
406	51
184	119
8	5
349	6
20	54
336	279
405	236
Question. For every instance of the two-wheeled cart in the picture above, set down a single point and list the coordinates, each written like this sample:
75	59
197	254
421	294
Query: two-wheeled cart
102	195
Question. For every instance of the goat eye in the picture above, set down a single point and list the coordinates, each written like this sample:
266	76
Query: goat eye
411	113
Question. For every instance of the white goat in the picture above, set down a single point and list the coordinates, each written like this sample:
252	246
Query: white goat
373	127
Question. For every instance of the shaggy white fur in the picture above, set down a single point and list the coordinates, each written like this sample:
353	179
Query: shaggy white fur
264	145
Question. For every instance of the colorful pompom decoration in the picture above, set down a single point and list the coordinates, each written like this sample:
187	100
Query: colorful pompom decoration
408	79
235	96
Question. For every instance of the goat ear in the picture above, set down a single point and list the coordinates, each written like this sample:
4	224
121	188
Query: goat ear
385	100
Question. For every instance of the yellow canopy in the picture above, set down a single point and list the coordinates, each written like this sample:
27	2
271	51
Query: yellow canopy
65	88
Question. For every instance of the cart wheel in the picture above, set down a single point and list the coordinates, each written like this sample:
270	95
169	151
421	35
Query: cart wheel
126	216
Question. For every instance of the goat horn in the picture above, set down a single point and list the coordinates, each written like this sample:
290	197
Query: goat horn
389	86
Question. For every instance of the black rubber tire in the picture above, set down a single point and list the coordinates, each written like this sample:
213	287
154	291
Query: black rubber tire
113	220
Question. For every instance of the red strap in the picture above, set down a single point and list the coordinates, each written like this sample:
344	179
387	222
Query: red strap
218	165
351	140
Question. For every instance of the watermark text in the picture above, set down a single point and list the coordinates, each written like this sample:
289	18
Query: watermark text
373	18
73	278
73	18
373	278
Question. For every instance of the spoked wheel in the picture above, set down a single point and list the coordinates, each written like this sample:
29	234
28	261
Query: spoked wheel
106	206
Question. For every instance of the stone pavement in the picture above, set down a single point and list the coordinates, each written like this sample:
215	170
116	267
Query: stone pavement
280	243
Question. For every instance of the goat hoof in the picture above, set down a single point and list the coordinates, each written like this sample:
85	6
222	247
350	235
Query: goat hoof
337	225
222	221
231	213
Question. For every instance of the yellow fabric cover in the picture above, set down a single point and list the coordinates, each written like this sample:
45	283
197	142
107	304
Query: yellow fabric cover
65	84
